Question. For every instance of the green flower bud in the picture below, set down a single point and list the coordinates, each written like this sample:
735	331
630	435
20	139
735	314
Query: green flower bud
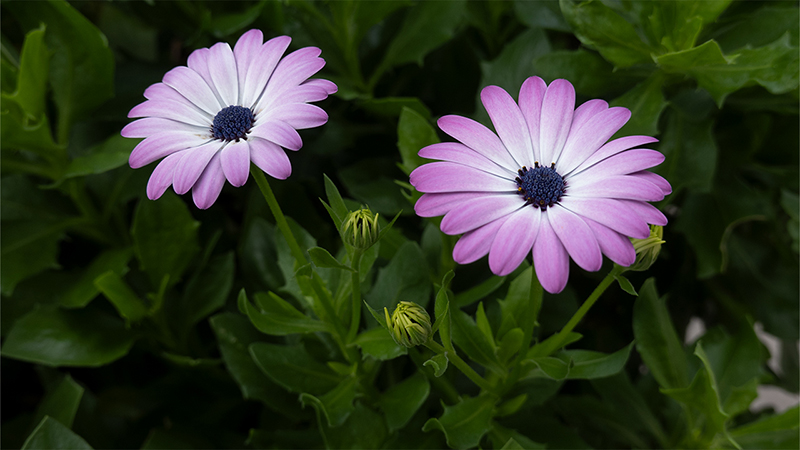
410	324
647	249
360	229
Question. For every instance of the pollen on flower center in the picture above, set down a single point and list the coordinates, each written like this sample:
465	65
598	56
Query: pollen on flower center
232	123
540	186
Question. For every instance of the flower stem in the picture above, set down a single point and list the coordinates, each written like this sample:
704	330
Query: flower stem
554	344
355	316
462	366
280	219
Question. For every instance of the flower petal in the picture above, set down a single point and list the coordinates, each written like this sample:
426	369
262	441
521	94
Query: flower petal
235	162
244	52
278	132
614	147
556	119
479	138
206	191
222	68
514	240
452	177
162	144
585	112
261	69
192	164
617	247
475	244
298	115
531	95
162	175
198	61
622	163
618	186
270	158
151	125
577	238
550	258
591	136
291	71
480	211
646	212
611	213
301	94
170	109
509	123
460	153
193	87
432	205
329	86
658	180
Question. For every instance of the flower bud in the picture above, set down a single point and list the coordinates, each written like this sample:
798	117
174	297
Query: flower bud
410	324
360	229
647	249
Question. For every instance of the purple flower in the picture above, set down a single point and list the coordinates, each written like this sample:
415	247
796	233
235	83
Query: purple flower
547	182
227	108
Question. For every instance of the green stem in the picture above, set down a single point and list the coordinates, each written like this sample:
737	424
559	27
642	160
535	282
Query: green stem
556	343
280	219
461	365
355	316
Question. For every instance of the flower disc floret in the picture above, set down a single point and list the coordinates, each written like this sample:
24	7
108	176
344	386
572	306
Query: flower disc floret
540	186
589	195
232	123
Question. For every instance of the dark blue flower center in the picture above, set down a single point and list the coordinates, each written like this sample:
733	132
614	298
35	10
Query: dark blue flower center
232	123
540	186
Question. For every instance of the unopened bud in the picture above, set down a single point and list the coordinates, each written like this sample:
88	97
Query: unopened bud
410	324
647	249
361	229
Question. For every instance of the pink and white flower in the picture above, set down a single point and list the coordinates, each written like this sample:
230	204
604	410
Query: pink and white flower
547	183
228	108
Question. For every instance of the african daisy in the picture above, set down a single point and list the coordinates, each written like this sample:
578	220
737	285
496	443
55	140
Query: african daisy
227	108
546	183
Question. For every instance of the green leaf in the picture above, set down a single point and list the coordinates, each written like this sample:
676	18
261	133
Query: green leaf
62	403
414	131
276	316
760	27
234	335
54	337
83	291
656	339
443	321
82	66
588	72
32	75
365	182
292	367
438	363
51	434
510	344
465	423
545	14
128	304
322	258
28	247
626	285
538	349
588	365
427	26
479	291
337	207
381	318
736	362
208	289
702	394
112	153
164	238
777	431
363	429
646	102
515	308
483	324
690	151
549	366
258	258
336	405
676	25
473	342
619	393
599	27
511	439
405	277
773	66
401	401
378	343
